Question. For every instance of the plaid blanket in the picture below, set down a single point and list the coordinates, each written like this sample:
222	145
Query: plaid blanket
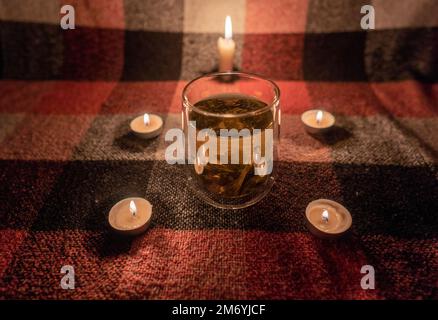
66	154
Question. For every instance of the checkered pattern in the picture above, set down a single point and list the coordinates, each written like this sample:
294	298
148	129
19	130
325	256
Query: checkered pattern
66	154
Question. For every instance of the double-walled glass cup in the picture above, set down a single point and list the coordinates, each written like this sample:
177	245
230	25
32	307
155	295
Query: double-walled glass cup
231	127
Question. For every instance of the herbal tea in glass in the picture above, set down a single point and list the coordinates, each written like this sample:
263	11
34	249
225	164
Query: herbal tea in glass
226	178
233	128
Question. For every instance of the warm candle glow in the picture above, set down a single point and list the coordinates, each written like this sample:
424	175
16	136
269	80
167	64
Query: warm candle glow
132	207
325	216
318	117
228	28
146	119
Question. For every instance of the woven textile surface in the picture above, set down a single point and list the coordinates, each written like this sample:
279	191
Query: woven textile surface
66	153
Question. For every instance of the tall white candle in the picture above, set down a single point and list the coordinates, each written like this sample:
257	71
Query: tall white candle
226	47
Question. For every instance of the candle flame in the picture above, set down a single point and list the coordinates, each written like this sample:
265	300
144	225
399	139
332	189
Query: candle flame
228	28
146	119
319	116
325	216
132	207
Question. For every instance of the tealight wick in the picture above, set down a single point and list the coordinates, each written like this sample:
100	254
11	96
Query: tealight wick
146	119
325	216
318	117
132	208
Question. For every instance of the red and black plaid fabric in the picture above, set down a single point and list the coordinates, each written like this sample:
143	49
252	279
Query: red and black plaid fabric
66	155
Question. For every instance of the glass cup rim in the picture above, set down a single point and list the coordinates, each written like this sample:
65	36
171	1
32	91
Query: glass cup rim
274	102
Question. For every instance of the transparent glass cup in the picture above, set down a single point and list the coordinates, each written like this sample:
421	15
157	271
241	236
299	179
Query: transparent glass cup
231	125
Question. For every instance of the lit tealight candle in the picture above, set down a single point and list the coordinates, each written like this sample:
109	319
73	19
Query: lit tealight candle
317	121
327	218
147	126
226	47
130	216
